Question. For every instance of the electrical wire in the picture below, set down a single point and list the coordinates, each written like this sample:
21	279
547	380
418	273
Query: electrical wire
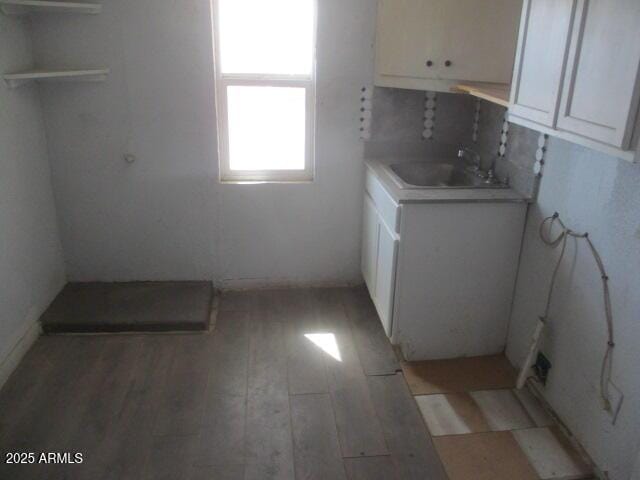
605	370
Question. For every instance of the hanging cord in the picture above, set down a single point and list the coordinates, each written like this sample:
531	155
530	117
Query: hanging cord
605	370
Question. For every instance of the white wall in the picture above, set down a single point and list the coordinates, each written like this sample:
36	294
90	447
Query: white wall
31	266
311	233
166	217
636	470
154	219
601	195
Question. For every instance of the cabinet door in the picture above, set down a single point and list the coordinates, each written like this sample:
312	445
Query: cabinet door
478	41
370	229
545	28
600	95
410	33
386	275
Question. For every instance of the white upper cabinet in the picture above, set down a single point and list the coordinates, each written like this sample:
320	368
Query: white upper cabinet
540	59
600	94
429	44
577	72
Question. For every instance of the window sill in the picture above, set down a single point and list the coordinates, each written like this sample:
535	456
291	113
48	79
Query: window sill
259	182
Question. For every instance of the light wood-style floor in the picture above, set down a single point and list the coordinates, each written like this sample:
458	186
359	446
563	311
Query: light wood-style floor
291	384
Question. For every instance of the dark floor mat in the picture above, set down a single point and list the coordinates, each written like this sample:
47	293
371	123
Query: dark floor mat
130	307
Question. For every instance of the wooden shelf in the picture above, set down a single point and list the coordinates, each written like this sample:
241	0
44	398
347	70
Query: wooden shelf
20	78
496	93
20	7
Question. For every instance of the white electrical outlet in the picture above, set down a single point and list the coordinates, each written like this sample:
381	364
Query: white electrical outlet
615	399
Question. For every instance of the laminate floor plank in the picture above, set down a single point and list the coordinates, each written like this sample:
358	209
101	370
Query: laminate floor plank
127	451
243	300
28	387
277	391
370	468
373	346
359	429
229	354
412	450
234	301
305	332
54	415
222	436
93	425
217	472
317	452
170	457
183	399
269	446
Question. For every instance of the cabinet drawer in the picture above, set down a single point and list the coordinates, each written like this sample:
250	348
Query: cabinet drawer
388	209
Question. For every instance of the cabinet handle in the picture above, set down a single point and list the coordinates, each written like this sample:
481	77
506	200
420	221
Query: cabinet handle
429	63
447	63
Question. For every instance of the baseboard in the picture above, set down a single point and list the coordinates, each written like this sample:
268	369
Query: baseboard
538	391
273	283
9	363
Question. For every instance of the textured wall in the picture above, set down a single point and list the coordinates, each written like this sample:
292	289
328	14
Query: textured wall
31	266
594	193
599	194
636	470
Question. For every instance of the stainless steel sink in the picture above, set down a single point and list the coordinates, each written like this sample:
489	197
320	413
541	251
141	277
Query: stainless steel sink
438	175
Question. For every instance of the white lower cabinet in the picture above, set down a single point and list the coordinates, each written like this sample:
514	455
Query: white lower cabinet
441	275
370	229
386	274
379	253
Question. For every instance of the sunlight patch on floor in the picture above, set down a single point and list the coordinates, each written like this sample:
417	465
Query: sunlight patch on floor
327	343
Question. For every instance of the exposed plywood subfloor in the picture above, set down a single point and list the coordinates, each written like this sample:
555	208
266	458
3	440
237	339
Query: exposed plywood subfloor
484	456
551	455
485	429
459	375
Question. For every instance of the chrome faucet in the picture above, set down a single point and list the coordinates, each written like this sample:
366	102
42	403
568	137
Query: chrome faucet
464	153
490	175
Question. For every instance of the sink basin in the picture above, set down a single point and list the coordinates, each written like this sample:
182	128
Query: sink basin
437	175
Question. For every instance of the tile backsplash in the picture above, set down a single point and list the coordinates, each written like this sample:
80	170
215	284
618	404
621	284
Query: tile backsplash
516	166
398	118
397	126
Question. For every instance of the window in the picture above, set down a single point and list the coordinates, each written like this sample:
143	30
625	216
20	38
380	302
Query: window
265	89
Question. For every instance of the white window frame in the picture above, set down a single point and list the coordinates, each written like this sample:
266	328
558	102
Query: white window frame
222	81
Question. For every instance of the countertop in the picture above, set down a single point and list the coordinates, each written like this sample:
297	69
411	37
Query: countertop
437	195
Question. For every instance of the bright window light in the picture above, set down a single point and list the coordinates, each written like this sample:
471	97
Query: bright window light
265	89
266	36
327	343
266	128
